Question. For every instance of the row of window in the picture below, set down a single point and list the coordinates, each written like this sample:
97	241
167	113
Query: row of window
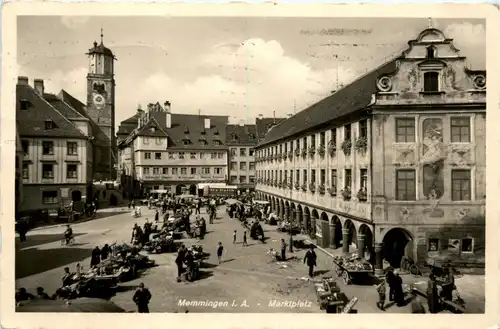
243	165
288	146
242	179
405	132
183	171
48	147
48	171
463	246
182	155
243	151
406	185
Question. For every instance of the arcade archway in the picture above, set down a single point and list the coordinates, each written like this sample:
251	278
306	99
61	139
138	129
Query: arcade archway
397	243
336	238
193	189
348	235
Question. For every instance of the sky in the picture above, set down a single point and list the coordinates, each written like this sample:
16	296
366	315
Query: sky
240	67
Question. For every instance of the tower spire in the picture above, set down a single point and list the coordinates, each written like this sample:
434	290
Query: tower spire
430	23
102	36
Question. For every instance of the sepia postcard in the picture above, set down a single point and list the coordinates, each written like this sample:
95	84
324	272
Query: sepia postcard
249	165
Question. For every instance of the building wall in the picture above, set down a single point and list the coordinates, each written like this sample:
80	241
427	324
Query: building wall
268	172
430	217
35	182
238	175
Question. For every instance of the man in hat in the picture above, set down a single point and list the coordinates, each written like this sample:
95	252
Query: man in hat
141	298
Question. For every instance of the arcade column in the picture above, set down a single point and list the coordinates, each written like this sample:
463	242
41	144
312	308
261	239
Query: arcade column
379	271
345	241
333	238
287	213
361	245
306	221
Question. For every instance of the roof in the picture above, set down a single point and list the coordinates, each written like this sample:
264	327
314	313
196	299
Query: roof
32	120
184	127
241	135
79	107
353	97
264	124
100	49
62	107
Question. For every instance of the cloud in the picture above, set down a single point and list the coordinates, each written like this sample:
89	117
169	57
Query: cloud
248	79
73	22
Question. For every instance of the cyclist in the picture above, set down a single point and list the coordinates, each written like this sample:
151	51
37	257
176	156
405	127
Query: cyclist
68	234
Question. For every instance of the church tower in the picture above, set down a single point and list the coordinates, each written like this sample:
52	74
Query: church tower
101	109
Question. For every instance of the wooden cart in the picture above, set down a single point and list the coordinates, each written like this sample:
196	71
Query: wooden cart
352	271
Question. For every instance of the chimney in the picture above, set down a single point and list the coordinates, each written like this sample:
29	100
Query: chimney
150	107
22	80
38	83
242	123
168	121
166	105
207	123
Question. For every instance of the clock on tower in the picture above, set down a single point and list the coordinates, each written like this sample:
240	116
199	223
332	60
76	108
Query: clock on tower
101	104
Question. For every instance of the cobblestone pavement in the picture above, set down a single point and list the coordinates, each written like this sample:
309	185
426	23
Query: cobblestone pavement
247	280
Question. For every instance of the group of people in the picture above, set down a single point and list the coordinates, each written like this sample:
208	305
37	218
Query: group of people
396	293
98	255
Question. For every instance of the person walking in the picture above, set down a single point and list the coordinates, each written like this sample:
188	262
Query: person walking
220	251
245	238
179	260
234	236
141	298
157	216
95	257
381	288
310	259
432	294
283	250
399	296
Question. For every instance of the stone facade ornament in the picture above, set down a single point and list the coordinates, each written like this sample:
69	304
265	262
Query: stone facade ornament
384	84
480	82
405	213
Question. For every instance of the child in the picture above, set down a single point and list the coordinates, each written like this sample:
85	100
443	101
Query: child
220	249
245	238
381	295
234	236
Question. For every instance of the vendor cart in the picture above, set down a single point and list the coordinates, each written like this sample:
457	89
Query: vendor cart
352	269
330	298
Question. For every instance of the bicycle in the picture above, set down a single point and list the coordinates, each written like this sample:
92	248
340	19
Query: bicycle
71	241
409	265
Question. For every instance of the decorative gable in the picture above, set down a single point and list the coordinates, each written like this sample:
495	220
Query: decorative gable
431	70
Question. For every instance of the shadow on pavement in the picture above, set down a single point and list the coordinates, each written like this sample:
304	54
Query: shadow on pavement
205	274
320	272
207	265
34	261
39	239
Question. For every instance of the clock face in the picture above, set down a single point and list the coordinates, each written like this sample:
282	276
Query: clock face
98	100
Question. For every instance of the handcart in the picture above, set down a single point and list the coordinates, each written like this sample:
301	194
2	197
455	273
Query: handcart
351	270
330	298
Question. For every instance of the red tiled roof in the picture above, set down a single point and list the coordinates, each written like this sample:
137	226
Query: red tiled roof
347	100
32	120
241	135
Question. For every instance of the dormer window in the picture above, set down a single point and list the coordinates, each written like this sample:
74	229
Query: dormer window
186	142
153	129
186	130
234	137
24	104
217	142
431	52
203	142
216	132
203	132
251	136
49	124
431	82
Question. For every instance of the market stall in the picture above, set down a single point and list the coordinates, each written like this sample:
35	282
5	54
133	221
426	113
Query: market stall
351	268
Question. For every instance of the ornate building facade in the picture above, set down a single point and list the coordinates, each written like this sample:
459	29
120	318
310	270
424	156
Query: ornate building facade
161	150
392	164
